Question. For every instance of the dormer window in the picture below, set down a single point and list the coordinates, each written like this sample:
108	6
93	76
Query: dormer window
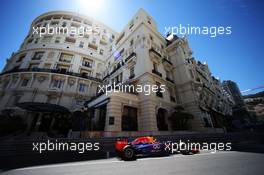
131	24
149	20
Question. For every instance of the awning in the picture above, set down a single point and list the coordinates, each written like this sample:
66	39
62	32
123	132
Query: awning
101	103
43	107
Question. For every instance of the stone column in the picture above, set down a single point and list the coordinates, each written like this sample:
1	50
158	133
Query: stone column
114	109
147	114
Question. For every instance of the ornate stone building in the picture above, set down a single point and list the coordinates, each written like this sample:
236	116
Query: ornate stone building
66	70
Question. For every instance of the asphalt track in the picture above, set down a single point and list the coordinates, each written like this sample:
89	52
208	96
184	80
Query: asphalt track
230	162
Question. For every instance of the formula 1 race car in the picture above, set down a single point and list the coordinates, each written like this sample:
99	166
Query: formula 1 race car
144	146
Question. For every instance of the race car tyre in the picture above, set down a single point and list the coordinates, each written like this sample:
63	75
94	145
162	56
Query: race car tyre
128	153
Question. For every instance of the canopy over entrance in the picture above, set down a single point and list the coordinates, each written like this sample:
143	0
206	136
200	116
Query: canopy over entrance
43	107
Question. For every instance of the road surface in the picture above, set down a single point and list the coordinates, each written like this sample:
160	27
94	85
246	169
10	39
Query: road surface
230	163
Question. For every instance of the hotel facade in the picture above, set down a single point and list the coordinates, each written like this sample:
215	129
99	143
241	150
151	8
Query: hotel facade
65	71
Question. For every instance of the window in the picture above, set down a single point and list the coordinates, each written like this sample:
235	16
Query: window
46	39
43	30
129	119
63	30
64	57
38	56
155	66
149	20
94	41
104	37
25	82
111	120
57	84
36	40
159	93
101	52
86	73
131	42
56	17
33	65
82	87
70	40
120	77
57	40
48	18
21	58
81	44
75	25
66	17
131	24
64	24
86	36
54	23
47	66
62	68
98	75
103	41
77	19
87	62
132	72
92	46
29	40
151	37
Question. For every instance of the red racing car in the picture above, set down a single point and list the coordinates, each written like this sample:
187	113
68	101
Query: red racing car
144	146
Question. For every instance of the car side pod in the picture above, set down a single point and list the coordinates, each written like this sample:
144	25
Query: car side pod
119	145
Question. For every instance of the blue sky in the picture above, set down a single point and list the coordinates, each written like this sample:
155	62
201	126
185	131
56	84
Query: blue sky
237	57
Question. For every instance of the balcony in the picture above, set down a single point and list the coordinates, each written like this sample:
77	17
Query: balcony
170	80
156	72
166	61
64	60
58	71
115	69
131	76
154	51
87	64
106	76
133	54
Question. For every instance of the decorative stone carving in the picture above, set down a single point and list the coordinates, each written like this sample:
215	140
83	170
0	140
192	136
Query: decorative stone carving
41	78
71	81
